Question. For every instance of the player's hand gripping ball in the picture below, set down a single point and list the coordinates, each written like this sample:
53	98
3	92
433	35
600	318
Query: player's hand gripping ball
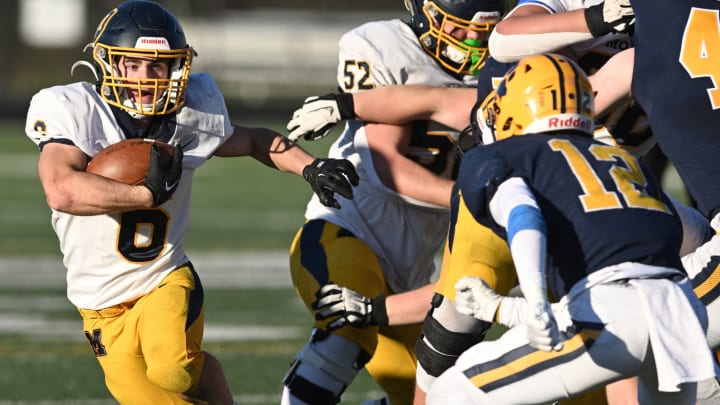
128	161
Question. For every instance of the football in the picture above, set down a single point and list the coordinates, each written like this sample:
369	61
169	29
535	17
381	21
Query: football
127	161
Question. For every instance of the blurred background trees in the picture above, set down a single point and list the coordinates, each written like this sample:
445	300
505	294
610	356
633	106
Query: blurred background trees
266	55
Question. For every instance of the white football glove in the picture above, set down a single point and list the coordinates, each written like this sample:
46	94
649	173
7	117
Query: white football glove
614	16
475	298
318	115
542	329
349	307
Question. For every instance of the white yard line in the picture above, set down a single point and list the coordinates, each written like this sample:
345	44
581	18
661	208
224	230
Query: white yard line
40	327
217	270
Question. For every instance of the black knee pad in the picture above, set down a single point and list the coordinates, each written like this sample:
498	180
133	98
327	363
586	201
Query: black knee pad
341	369
305	390
438	346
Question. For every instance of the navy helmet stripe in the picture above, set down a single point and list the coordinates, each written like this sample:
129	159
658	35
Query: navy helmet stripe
561	82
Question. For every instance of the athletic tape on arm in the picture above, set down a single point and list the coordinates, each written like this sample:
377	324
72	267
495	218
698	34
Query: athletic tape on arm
514	207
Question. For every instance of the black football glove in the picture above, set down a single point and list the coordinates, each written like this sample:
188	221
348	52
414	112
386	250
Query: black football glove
330	176
610	16
162	180
318	115
349	307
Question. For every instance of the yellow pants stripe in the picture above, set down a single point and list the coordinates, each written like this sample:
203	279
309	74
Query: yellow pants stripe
526	361
706	284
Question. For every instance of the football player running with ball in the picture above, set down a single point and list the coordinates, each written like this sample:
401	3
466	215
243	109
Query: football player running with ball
589	221
139	296
373	259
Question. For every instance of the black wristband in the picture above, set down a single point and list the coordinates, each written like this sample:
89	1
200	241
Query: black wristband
595	20
346	105
379	313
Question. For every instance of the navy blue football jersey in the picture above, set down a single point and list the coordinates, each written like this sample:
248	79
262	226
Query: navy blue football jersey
489	77
601	206
675	80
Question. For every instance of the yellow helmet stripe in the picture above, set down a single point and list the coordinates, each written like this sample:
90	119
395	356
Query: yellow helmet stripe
103	24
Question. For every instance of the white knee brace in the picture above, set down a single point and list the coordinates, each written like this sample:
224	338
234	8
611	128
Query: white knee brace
322	370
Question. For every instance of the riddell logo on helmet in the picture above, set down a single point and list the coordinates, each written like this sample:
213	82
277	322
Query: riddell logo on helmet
152	43
561	121
569	122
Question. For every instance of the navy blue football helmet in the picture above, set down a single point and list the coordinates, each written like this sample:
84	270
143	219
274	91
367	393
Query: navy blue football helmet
435	20
141	29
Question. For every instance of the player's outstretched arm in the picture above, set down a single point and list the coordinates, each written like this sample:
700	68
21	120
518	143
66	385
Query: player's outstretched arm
529	29
400	104
344	306
327	177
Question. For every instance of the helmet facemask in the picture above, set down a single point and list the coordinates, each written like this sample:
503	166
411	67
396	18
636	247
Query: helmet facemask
482	119
168	93
458	56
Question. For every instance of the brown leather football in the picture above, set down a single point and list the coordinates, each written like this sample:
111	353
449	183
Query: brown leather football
127	161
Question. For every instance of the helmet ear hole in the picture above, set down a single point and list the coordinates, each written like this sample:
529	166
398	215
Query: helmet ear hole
507	124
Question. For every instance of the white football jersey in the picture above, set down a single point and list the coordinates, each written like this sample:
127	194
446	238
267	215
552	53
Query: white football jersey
111	259
406	234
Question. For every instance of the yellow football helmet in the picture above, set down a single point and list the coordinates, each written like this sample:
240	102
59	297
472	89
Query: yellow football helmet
542	93
434	22
141	29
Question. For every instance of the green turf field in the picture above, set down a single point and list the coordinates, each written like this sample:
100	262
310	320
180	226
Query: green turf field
255	323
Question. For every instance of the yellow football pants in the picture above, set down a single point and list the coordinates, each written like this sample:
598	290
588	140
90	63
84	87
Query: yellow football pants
321	253
150	349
